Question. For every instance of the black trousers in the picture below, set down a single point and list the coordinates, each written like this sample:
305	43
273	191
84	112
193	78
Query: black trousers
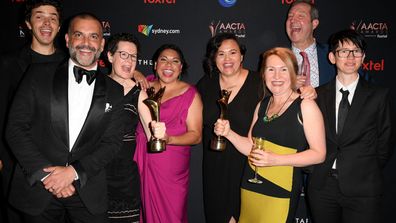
66	210
8	214
329	205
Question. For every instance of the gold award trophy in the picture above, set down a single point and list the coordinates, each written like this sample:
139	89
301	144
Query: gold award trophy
153	102
219	143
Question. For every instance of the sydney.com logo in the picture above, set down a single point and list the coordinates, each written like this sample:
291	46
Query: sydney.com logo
148	29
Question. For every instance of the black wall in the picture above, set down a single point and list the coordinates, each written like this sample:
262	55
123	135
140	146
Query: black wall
260	24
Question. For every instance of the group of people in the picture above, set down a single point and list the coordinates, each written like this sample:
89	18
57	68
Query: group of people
74	140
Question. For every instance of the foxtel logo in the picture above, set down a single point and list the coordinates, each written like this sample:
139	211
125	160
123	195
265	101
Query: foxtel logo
145	29
374	65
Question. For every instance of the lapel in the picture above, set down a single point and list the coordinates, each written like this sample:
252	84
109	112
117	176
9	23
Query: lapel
357	106
326	70
59	103
25	58
94	121
329	111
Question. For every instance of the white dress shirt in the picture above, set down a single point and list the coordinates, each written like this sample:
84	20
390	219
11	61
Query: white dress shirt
351	88
80	98
79	101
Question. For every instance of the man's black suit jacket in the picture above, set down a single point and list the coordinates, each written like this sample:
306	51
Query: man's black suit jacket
37	133
365	144
12	68
326	69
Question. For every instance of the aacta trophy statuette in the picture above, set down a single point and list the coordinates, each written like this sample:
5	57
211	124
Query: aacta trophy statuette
219	143
153	102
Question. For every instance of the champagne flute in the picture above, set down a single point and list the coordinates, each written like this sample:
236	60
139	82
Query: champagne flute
258	143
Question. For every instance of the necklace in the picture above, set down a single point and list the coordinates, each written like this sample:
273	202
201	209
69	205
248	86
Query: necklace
267	119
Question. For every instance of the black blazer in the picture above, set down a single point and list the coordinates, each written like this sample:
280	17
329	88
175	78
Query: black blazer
38	135
365	144
12	68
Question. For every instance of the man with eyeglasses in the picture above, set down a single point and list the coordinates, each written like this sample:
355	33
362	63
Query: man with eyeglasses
347	187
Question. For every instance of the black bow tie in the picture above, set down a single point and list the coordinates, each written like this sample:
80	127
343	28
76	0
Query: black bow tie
79	72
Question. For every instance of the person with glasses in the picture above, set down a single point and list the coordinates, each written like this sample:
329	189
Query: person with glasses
347	187
165	175
122	173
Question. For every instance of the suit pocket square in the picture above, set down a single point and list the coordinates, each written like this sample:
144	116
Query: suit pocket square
108	107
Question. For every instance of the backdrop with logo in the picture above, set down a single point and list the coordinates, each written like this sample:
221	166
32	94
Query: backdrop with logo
259	24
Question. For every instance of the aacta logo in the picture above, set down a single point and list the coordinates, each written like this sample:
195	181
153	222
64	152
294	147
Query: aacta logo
371	29
21	32
289	2
238	28
106	28
159	1
372	65
145	29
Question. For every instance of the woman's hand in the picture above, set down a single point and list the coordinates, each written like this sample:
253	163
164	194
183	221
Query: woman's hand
222	127
159	130
262	158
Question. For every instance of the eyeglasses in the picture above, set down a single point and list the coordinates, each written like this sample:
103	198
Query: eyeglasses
344	53
124	55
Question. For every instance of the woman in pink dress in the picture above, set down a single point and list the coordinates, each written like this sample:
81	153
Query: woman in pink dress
165	175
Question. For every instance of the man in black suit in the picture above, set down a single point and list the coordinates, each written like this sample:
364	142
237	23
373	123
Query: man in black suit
64	127
42	17
347	187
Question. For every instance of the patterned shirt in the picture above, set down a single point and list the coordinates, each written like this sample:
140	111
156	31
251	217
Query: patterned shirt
313	62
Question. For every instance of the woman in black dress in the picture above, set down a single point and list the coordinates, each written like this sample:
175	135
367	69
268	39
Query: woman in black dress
122	173
222	171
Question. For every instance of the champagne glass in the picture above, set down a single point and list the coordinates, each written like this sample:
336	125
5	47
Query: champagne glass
258	143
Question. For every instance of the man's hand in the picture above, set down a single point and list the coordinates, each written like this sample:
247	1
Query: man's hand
59	178
66	192
300	81
308	92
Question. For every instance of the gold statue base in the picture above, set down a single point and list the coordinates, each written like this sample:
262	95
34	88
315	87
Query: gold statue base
218	144
156	146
